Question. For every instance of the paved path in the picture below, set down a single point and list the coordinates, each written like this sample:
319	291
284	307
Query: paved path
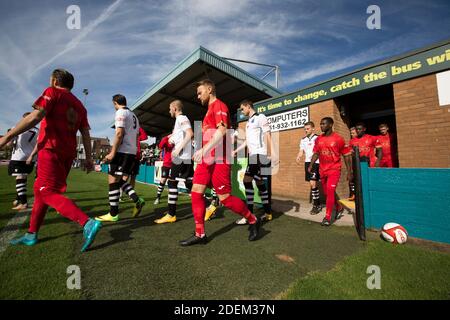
300	209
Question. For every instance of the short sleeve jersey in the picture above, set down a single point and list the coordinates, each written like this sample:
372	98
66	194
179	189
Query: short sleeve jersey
387	145
330	149
217	115
256	127
366	145
65	115
307	145
24	144
182	124
127	120
166	148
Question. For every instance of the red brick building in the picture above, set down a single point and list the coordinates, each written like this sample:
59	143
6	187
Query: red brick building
411	93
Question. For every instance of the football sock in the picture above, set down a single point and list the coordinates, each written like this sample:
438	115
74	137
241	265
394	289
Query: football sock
198	209
21	189
160	189
128	189
249	193
173	196
114	194
315	196
264	194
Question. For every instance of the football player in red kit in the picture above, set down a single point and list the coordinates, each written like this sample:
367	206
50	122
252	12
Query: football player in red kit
61	115
166	155
369	148
214	166
328	148
388	146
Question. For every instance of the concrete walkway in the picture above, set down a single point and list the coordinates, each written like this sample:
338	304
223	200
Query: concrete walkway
300	209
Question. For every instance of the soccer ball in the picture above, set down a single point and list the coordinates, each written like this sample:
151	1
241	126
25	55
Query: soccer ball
394	233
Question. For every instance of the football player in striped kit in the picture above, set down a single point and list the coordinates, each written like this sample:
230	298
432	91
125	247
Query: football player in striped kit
23	146
182	167
122	159
260	149
306	147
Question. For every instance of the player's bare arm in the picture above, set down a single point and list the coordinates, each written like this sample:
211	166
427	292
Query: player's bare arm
118	138
299	156
242	146
86	136
271	153
10	143
187	139
23	125
32	154
217	137
314	158
379	155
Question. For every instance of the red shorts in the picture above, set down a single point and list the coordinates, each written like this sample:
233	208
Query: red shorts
52	170
217	175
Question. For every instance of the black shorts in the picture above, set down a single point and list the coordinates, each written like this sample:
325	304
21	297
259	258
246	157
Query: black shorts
122	164
258	166
19	168
165	172
136	166
314	175
182	171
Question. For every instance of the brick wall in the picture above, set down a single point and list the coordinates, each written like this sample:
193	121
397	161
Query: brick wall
289	182
423	127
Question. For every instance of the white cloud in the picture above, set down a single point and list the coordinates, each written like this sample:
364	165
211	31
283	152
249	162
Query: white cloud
126	46
84	33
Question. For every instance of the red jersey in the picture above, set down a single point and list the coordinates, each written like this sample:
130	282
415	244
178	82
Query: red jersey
167	148
330	149
217	114
366	145
65	115
387	145
142	136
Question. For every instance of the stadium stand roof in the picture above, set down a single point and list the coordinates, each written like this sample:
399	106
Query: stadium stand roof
233	85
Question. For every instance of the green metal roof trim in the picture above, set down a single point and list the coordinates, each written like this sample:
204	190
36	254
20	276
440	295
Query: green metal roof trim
217	62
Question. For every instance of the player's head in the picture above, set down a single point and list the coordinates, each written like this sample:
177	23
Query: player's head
62	78
309	128
383	127
326	124
246	107
205	89
119	101
360	129
26	114
175	108
353	133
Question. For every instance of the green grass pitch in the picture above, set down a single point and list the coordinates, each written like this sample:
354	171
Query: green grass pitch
137	259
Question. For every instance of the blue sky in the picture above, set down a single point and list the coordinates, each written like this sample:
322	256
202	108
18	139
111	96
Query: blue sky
125	46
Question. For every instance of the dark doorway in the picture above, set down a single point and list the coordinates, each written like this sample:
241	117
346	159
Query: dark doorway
372	106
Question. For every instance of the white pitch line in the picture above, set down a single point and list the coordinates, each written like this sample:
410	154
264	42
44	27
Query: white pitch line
12	228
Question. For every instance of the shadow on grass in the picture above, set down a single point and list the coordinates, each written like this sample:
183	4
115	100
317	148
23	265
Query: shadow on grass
50	238
8	194
129	224
287	205
81	191
104	199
